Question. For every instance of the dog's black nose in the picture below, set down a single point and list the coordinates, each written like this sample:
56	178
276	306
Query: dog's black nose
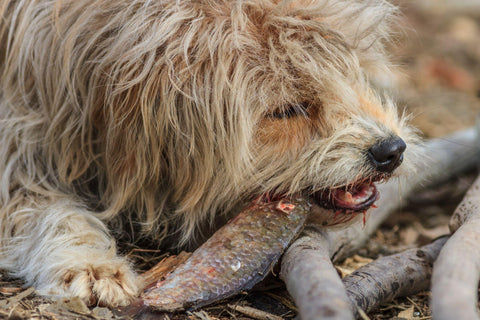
386	155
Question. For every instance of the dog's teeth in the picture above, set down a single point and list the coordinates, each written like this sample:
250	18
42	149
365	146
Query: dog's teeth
345	196
348	197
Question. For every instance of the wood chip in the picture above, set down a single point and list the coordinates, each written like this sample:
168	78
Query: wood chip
10	290
16	299
162	268
407	314
254	313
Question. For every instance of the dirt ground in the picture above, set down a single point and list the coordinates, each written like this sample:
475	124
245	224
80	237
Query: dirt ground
438	81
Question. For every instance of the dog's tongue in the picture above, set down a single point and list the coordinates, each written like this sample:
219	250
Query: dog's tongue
358	197
355	197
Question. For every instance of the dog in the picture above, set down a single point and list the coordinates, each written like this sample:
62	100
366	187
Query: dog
168	116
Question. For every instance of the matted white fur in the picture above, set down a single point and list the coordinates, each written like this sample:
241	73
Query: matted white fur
166	113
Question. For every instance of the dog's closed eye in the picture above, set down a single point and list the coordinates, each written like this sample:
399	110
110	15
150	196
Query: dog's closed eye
289	111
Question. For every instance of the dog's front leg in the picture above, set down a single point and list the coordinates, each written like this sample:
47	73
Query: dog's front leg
64	250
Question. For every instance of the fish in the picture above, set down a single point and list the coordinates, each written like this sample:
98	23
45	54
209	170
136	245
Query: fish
234	259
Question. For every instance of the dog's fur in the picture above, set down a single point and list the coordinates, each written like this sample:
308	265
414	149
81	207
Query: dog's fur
172	114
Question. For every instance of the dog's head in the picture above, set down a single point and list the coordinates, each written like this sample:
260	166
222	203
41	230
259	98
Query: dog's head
253	97
320	127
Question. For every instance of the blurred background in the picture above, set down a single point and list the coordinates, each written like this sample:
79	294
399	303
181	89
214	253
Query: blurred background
438	64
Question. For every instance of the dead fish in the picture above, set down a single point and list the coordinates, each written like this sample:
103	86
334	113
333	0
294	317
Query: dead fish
235	258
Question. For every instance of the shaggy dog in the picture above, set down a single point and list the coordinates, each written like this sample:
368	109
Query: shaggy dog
167	116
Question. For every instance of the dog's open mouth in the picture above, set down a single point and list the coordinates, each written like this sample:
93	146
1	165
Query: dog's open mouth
355	197
339	205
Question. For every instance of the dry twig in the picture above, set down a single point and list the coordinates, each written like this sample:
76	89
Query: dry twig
254	313
162	268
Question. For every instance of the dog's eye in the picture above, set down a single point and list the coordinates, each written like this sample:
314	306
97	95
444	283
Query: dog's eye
290	111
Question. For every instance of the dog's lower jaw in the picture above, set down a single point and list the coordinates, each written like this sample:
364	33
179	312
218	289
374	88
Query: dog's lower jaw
68	253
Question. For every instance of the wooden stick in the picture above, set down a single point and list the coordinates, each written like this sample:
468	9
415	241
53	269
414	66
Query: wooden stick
387	278
457	270
306	273
313	281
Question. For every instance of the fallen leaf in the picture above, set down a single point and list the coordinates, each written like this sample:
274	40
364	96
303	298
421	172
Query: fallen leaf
77	305
406	314
102	313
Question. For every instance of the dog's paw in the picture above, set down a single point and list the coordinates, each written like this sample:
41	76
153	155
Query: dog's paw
109	284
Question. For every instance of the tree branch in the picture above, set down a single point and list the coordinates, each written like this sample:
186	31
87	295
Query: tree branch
457	269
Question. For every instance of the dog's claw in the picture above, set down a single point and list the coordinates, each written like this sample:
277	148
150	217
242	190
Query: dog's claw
109	285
